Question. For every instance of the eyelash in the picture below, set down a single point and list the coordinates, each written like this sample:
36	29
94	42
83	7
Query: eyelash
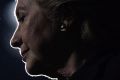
21	17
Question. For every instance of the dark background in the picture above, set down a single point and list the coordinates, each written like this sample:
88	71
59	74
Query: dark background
11	65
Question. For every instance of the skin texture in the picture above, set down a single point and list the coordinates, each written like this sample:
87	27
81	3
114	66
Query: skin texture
44	50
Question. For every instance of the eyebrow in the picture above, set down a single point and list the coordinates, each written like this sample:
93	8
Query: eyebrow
20	8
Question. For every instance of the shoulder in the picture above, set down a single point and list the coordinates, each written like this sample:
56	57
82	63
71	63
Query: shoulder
105	68
112	70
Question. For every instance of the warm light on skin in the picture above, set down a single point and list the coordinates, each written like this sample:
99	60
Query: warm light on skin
20	49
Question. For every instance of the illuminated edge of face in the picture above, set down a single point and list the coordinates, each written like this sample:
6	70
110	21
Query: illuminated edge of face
20	49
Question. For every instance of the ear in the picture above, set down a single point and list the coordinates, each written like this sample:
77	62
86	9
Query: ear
66	24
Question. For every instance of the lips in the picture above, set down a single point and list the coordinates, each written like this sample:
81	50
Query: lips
24	54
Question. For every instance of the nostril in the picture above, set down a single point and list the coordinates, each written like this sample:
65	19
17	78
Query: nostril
16	43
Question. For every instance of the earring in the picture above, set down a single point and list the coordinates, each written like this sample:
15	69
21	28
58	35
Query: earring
63	28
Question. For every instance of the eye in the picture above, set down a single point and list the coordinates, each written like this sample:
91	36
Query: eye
21	17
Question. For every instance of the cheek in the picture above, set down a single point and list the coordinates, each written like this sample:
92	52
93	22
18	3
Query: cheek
36	38
31	32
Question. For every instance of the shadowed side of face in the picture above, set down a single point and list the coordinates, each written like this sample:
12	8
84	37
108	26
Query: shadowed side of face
40	45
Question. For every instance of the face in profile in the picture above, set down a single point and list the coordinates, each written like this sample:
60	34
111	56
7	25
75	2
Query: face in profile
43	49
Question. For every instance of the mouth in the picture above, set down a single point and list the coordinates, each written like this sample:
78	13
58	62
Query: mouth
24	54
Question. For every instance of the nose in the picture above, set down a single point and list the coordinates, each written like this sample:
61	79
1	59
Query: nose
16	40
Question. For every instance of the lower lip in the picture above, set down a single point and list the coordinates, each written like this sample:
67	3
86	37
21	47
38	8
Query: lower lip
24	58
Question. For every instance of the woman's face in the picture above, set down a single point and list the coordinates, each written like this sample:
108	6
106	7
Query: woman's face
42	49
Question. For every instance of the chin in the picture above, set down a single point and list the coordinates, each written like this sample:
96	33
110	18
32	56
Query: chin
36	67
32	64
31	68
35	71
47	75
